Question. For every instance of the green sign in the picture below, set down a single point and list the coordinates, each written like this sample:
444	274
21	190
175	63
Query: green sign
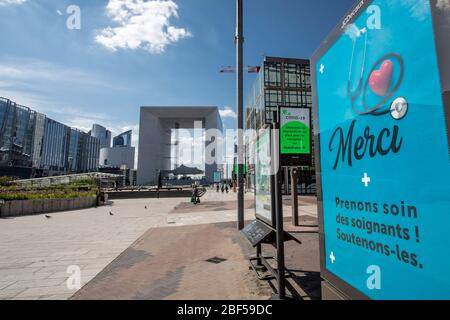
295	131
235	169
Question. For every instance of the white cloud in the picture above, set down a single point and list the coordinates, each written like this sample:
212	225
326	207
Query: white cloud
32	71
227	112
11	2
141	24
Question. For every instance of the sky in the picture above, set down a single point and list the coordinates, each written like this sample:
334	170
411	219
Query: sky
103	64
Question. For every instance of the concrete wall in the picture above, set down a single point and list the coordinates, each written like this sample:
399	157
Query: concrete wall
117	157
31	207
163	194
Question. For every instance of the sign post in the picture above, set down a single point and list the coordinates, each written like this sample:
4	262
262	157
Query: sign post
276	168
382	151
294	192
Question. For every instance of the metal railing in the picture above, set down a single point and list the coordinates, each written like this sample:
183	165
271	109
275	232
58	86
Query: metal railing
67	179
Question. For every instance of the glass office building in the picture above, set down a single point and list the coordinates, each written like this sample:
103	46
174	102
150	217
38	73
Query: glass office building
102	134
122	140
280	81
55	147
68	150
29	140
20	129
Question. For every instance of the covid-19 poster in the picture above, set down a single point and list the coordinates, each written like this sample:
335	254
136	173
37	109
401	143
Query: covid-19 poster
295	131
381	82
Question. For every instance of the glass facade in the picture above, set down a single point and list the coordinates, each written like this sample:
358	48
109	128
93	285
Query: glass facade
102	134
17	132
122	140
55	146
281	81
38	138
31	140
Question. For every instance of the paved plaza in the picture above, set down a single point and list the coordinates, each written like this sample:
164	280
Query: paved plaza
37	252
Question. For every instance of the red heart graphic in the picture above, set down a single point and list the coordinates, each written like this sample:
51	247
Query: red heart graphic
380	80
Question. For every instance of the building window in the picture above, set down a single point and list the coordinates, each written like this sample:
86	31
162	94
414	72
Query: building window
274	98
306	77
306	99
293	75
293	98
272	72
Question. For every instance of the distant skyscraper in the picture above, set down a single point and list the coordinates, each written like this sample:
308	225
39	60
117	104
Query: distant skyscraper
121	155
102	134
84	152
122	140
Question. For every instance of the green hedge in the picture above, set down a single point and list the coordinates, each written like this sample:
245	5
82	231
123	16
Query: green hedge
39	196
77	189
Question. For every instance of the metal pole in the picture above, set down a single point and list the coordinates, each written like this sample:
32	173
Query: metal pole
294	193
240	109
279	214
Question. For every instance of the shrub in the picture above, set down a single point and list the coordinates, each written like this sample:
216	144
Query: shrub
39	196
6	181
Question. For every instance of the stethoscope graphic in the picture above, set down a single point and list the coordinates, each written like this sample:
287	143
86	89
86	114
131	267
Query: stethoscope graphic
399	107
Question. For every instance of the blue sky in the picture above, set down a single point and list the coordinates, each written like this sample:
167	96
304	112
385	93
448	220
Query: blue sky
163	53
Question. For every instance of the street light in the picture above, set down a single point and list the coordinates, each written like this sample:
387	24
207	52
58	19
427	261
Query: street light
240	108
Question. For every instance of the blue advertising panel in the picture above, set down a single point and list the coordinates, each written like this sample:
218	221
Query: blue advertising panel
381	120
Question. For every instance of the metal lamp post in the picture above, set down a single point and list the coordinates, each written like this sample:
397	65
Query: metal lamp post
240	109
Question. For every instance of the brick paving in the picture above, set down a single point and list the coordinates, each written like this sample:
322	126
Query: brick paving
172	264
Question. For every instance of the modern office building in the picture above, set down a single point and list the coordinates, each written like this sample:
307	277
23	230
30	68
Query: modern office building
280	81
121	155
118	157
102	134
123	140
55	146
90	153
32	144
21	131
38	139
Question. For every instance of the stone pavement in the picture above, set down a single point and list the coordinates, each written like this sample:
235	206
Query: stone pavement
36	252
172	264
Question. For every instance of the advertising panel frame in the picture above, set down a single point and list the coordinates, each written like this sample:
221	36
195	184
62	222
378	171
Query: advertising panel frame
296	160
442	51
272	223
